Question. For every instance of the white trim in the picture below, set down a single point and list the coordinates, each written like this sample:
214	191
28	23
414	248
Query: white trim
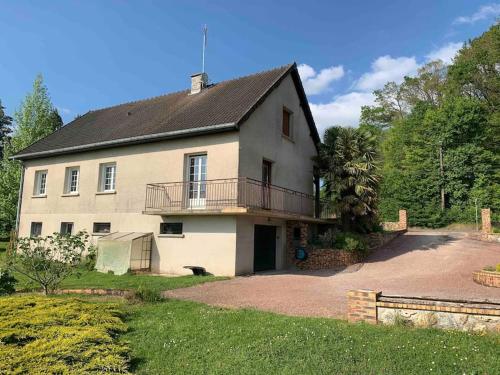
166	135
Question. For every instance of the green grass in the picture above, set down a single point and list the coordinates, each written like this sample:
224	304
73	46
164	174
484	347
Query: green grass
3	246
94	279
179	337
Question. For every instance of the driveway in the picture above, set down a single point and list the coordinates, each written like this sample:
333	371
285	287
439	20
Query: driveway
425	263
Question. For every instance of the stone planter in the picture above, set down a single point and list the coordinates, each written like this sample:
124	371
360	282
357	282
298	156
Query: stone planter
487	278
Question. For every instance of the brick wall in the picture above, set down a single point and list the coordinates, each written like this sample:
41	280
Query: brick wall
362	306
401	224
487	278
373	307
486	220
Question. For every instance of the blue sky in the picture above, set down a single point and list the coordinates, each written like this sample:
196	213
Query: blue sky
94	54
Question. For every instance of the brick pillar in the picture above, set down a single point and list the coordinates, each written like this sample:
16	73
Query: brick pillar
362	306
403	220
486	220
304	231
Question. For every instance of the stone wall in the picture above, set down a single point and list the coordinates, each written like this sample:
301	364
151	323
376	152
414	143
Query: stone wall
487	278
486	220
373	307
401	224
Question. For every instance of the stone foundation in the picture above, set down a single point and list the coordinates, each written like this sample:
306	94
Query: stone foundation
373	307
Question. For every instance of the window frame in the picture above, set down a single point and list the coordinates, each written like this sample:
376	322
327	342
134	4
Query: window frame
290	122
37	189
103	177
68	180
33	225
66	224
164	231
96	224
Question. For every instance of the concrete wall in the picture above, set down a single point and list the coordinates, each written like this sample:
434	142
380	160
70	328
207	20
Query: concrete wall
245	242
261	138
137	166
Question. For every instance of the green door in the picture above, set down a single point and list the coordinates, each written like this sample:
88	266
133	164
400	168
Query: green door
264	248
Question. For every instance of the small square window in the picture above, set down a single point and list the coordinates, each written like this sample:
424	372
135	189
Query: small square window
107	177
36	229
72	180
102	228
286	126
171	228
40	183
66	228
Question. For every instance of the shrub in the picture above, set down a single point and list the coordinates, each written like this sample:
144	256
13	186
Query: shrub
327	239
90	258
489	268
145	294
351	242
47	261
7	283
498	267
40	335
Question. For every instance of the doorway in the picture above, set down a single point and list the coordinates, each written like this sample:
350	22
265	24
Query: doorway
197	172
264	248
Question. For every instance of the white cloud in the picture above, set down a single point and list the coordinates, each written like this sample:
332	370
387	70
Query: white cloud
484	12
445	53
64	111
386	69
317	83
343	110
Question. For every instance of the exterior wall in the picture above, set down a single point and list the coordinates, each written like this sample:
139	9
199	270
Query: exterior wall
245	242
261	138
137	166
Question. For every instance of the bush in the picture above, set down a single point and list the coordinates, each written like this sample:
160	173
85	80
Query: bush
90	258
47	261
145	294
327	239
7	283
40	335
350	242
498	267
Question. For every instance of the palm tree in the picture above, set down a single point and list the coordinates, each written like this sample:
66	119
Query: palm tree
347	163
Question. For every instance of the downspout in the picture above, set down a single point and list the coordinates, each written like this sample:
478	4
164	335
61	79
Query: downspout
19	199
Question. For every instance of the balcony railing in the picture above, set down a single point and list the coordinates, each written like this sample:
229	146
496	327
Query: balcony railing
217	195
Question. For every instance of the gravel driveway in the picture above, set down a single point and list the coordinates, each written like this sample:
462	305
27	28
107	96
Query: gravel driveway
424	263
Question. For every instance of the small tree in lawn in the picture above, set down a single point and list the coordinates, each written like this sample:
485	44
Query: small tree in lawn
48	260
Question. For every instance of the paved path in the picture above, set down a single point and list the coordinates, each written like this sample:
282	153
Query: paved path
426	263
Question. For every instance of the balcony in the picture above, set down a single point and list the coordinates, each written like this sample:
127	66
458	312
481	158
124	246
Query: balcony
231	196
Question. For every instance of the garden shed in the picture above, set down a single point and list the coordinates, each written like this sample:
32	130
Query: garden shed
120	252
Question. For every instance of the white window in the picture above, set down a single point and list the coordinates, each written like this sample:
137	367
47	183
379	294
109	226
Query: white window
107	177
197	173
72	180
40	183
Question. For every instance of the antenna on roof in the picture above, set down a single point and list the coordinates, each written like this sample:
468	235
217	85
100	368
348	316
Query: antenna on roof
205	30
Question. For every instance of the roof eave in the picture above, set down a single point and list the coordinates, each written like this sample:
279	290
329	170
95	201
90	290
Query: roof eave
130	141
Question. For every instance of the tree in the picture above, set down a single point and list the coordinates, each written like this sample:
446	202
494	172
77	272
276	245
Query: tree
47	261
35	119
347	165
5	128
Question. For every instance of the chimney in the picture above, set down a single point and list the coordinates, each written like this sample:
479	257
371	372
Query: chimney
198	82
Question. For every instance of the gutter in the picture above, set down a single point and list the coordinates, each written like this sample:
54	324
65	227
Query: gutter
131	140
19	199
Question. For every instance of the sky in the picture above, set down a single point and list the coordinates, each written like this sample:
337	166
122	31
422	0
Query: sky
94	54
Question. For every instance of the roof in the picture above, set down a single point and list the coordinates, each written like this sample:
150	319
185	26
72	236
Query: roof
220	107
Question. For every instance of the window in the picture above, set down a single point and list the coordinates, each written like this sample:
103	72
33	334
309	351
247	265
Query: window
102	227
171	228
107	177
40	183
72	180
66	228
36	229
286	127
197	174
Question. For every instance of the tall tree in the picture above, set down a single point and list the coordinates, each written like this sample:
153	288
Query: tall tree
348	169
35	119
5	128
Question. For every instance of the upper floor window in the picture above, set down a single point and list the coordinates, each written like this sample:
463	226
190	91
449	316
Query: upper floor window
286	125
107	177
40	183
72	180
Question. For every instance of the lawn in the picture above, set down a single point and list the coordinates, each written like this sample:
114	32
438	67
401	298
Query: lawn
94	279
179	337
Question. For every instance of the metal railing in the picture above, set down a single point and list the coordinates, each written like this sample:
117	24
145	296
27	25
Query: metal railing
214	195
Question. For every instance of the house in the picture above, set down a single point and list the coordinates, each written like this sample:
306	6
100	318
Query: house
221	174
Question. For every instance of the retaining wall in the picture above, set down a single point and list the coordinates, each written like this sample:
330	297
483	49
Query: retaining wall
466	315
487	278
